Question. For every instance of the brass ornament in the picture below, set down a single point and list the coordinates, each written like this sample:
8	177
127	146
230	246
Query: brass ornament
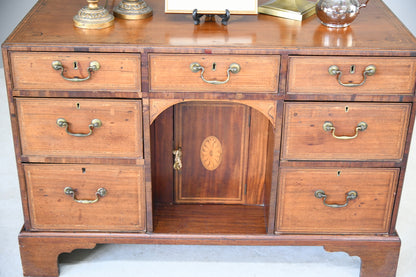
178	159
93	17
211	153
133	9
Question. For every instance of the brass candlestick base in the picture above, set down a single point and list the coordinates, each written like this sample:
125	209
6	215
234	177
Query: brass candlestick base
93	17
292	9
133	9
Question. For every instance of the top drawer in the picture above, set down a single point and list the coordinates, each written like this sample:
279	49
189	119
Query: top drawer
34	71
257	73
311	75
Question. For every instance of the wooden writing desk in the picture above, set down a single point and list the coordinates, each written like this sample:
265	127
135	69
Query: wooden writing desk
263	132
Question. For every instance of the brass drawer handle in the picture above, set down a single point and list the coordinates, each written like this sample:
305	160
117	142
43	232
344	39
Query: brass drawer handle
94	66
178	159
95	123
234	68
349	196
101	192
328	126
369	71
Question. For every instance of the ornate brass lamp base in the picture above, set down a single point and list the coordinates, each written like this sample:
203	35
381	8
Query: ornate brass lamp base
93	17
292	9
133	9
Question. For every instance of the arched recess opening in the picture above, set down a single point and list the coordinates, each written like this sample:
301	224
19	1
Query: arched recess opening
212	167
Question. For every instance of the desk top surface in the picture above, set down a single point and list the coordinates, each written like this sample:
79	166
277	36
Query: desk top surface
50	24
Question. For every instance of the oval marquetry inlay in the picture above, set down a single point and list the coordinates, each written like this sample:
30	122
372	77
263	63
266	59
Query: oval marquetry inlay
211	153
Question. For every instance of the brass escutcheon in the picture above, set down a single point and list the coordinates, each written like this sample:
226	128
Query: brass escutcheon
94	66
178	159
233	68
370	70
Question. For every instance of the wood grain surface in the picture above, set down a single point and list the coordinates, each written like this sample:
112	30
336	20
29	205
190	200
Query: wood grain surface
121	209
33	71
173	73
392	76
283	152
384	139
299	211
120	135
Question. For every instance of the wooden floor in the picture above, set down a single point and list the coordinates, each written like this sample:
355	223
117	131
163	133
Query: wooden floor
209	219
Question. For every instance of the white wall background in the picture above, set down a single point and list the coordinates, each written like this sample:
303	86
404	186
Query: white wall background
405	11
11	12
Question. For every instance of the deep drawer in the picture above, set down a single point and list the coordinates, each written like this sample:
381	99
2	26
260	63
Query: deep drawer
173	73
392	75
121	208
300	211
34	71
119	136
308	134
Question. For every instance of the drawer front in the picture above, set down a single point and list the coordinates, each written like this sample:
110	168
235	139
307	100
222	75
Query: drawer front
392	75
258	74
122	208
117	72
300	211
119	136
305	137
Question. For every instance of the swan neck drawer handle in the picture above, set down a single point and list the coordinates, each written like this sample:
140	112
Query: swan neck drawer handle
95	123
351	195
178	159
94	66
369	71
328	126
101	192
234	68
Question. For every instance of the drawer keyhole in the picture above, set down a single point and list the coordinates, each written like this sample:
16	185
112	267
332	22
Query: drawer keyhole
352	69
339	173
78	106
83	170
75	65
214	66
347	109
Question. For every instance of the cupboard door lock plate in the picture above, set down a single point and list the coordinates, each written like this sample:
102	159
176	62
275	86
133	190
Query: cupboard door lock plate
177	165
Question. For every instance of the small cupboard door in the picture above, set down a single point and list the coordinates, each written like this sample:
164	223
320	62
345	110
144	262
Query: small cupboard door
210	163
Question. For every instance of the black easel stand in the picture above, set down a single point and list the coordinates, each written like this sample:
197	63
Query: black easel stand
225	17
